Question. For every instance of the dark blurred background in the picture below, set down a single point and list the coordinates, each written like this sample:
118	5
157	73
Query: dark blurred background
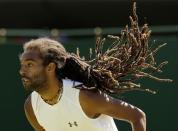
83	13
75	23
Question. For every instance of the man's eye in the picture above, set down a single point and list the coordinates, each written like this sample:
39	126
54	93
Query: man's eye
30	64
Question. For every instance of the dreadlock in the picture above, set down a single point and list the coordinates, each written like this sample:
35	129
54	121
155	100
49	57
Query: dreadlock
112	71
118	68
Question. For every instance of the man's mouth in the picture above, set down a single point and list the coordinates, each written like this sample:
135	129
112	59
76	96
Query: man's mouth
25	79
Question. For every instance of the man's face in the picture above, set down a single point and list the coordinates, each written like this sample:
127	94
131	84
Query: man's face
32	70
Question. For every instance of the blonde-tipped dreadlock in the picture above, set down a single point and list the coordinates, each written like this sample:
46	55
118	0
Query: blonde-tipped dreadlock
117	69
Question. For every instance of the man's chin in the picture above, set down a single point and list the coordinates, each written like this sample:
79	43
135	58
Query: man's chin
28	88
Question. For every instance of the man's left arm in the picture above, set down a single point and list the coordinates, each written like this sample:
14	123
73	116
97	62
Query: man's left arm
118	109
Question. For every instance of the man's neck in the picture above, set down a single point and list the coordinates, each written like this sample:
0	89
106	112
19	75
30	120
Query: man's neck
51	91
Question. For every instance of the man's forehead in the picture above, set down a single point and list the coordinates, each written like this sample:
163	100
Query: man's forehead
30	55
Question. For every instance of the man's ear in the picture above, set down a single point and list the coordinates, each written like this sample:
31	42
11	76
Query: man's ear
51	67
61	62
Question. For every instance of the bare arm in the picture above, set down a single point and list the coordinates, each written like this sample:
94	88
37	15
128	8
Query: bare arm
31	116
100	103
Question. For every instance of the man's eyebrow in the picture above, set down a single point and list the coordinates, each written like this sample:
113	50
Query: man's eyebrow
29	59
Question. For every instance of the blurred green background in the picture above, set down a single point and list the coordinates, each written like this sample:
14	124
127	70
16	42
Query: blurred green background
161	109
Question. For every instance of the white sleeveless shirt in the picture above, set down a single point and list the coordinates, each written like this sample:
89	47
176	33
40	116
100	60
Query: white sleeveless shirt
67	114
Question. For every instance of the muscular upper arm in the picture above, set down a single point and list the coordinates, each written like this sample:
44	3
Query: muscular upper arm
31	116
102	103
120	109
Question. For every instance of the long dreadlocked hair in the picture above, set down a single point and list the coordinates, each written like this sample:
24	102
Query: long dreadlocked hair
115	70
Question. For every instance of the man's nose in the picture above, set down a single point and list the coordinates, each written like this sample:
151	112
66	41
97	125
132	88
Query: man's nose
22	71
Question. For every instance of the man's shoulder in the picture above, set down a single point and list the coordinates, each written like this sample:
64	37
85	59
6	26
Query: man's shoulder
32	97
93	101
27	103
29	108
88	93
31	115
92	96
